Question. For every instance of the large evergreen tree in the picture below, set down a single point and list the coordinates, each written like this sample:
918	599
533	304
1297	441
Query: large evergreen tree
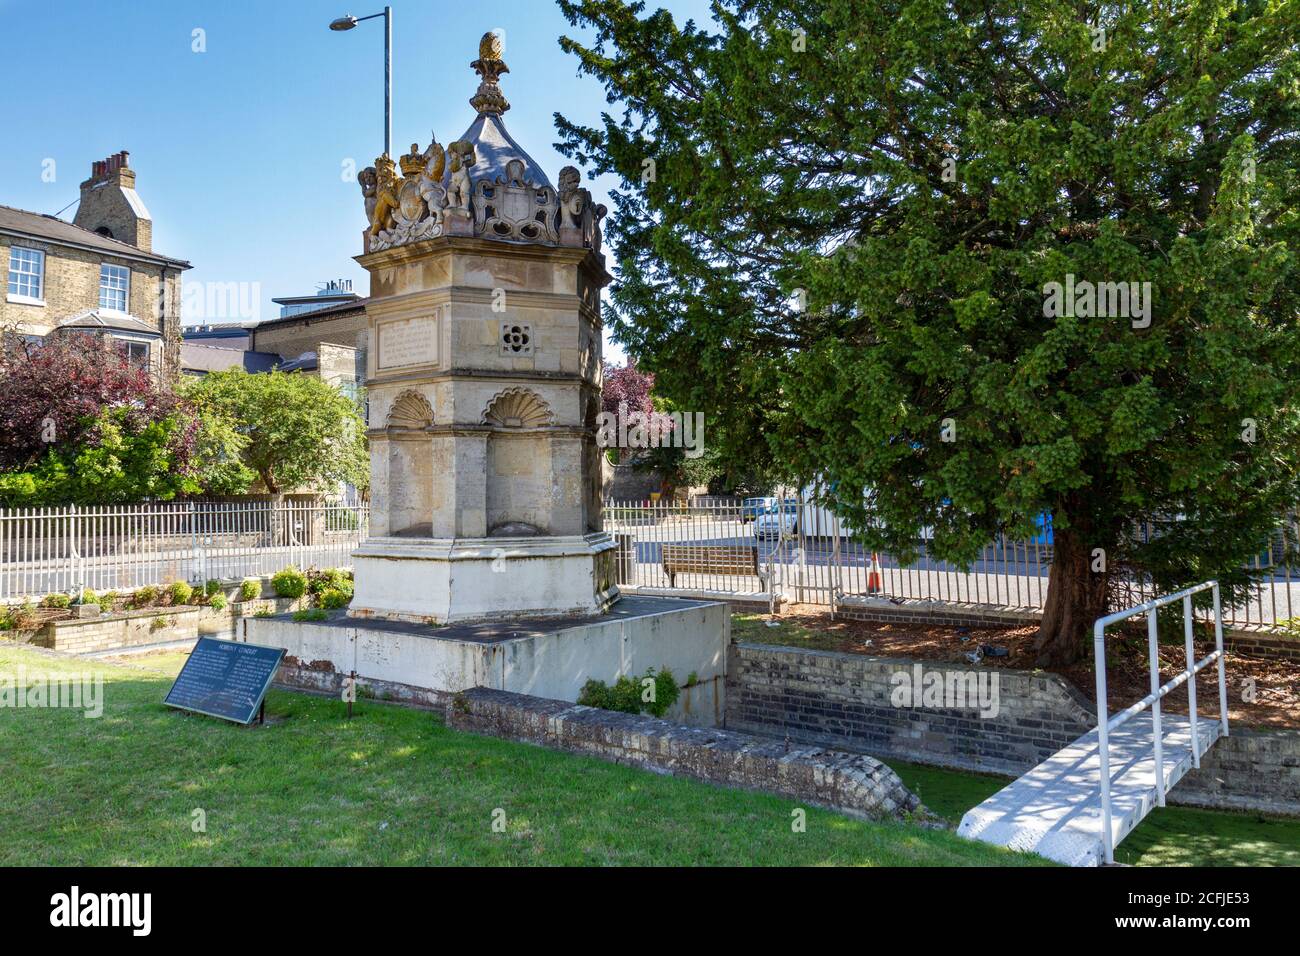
838	231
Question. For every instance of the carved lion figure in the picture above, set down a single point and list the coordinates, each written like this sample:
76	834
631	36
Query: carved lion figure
381	217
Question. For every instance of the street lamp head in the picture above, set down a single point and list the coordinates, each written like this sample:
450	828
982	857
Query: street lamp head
343	23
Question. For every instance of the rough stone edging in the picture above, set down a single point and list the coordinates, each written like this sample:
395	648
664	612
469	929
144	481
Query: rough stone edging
854	784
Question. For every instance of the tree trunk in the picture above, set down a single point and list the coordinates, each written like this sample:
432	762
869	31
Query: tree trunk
1076	597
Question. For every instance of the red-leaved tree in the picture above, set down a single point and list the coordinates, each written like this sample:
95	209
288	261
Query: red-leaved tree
67	396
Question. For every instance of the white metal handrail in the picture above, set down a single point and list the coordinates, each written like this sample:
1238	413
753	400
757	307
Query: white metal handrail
1105	723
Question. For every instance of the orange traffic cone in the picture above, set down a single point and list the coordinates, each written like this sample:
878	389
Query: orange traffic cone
873	576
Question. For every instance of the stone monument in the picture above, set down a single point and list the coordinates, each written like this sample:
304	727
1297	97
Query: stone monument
488	564
484	381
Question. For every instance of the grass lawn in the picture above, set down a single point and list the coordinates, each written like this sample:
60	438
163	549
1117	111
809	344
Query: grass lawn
1169	836
391	786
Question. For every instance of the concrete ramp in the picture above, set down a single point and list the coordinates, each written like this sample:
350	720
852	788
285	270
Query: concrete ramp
1055	809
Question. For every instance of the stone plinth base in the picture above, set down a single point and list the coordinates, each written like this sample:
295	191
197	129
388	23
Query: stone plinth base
543	657
440	581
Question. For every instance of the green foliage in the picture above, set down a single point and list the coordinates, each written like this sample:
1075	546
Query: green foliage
250	589
211	588
310	614
217	602
107	600
336	579
220	443
666	692
630	695
341	519
289	583
160	622
294	430
180	592
146	596
19	618
334	598
802	268
89	597
60	601
119	458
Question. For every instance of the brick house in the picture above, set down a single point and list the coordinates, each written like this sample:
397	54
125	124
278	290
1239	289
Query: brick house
95	275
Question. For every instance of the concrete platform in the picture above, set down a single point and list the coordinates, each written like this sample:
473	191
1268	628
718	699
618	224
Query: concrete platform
1055	809
541	657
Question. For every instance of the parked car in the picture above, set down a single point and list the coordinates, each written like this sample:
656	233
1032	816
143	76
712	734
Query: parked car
778	520
751	508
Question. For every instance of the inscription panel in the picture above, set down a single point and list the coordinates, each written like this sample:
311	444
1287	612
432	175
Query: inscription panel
408	342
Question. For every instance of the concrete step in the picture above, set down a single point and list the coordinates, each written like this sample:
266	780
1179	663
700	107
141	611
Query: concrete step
1055	809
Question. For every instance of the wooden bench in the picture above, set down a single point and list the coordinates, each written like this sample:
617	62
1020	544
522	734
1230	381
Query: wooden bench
710	559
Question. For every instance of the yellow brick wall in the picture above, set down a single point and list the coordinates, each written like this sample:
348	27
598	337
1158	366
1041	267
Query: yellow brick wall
71	285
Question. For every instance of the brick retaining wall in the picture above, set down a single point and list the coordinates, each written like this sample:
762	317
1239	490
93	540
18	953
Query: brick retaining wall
844	700
1250	769
153	625
838	699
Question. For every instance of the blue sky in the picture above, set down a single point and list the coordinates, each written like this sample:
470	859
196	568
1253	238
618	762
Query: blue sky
239	150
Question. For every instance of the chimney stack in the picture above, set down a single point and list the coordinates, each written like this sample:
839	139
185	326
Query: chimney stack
110	205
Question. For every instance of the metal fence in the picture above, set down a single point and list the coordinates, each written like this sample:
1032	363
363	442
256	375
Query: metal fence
121	547
807	555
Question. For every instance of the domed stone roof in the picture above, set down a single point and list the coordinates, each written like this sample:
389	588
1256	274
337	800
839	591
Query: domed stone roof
493	145
495	148
483	184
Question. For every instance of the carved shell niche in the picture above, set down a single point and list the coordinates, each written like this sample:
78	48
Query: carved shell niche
517	408
411	410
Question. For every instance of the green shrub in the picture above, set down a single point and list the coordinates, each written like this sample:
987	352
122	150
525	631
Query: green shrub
595	693
333	579
310	614
107	600
160	622
212	588
334	599
265	612
629	694
89	597
60	601
146	596
289	583
20	618
180	592
217	602
251	589
666	692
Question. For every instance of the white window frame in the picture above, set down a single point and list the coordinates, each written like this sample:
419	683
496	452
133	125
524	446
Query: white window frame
123	343
39	258
112	272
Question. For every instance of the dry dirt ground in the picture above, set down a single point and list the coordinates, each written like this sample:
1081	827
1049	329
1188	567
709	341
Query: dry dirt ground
1276	694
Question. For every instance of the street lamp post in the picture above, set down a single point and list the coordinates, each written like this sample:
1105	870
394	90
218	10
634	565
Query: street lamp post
347	23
